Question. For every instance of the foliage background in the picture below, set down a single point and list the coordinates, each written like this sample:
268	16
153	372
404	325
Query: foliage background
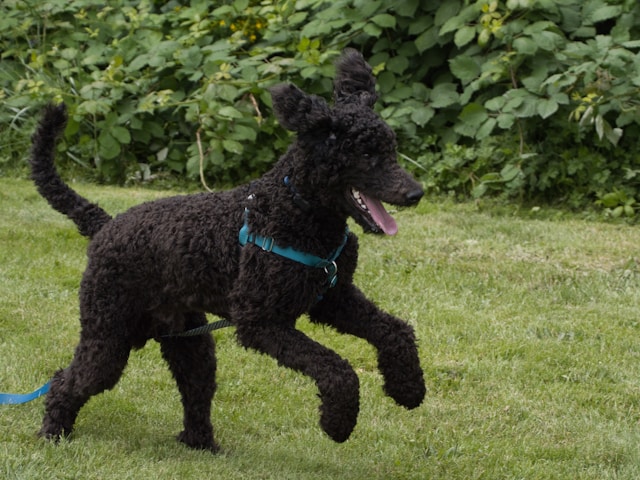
535	100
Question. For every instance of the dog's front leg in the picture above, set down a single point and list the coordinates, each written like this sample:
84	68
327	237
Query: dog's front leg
349	311
337	382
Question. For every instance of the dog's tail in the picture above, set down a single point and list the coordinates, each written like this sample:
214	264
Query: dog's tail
89	217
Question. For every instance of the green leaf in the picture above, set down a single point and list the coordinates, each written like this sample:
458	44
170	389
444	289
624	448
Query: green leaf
464	35
472	119
613	135
525	45
421	116
546	107
69	53
571	17
193	165
121	134
538	27
366	8
510	172
406	8
384	20
229	112
455	22
533	82
617	212
108	147
297	18
420	91
561	98
447	9
386	82
232	146
599	123
496	103
473	114
486	128
549	40
420	25
506	120
519	4
93	107
427	40
444	95
398	64
479	190
240	5
402	93
242	132
493	177
605	13
520	102
372	30
610	200
464	67
226	92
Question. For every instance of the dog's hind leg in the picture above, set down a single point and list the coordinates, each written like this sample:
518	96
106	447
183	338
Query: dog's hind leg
337	382
193	364
349	311
97	366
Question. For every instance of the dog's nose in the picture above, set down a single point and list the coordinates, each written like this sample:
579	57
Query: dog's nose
414	196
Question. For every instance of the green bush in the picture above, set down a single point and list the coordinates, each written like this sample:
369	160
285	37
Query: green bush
532	99
144	81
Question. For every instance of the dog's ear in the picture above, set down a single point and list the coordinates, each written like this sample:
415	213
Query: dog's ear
298	111
354	81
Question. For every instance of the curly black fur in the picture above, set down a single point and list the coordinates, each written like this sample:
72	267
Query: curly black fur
155	269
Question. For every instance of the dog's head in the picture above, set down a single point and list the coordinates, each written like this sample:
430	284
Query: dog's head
348	149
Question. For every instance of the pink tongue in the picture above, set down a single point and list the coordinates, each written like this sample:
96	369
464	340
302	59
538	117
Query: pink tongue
382	218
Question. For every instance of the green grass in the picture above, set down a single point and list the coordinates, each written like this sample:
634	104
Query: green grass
529	332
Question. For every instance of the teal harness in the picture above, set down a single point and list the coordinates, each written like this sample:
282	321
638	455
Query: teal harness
268	244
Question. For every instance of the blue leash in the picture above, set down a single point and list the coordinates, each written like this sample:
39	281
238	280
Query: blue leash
17	398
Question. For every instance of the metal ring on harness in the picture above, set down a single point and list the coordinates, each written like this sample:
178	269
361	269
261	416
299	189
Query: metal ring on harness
331	269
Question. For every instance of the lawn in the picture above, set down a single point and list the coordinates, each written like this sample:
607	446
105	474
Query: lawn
529	330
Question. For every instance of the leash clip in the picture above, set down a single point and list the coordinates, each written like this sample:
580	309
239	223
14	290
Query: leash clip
331	269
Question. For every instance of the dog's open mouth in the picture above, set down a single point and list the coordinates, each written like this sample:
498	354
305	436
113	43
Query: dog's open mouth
373	213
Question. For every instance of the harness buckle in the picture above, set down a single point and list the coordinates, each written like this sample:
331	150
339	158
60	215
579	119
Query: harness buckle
267	244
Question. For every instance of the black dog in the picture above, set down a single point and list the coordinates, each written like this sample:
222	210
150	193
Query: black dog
259	255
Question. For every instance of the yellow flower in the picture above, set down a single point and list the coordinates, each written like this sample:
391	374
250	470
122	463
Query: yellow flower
222	23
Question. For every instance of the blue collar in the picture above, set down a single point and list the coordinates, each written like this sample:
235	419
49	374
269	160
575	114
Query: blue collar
268	244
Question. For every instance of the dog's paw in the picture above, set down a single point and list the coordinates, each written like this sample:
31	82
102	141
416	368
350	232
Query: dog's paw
198	441
408	394
338	425
53	433
400	367
340	406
